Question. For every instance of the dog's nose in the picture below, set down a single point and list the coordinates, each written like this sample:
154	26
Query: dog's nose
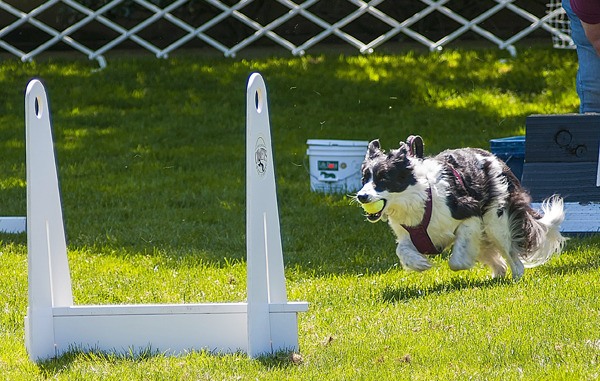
362	197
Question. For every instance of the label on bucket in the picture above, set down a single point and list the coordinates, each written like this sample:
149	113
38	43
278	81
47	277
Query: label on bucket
327	165
335	165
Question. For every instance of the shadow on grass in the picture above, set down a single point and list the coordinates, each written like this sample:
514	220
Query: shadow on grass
164	182
579	256
281	360
52	367
17	239
400	294
572	267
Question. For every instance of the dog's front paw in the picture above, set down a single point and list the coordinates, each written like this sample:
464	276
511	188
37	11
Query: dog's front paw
416	264
410	259
460	261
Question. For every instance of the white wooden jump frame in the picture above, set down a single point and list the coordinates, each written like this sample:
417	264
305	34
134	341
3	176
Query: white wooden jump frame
266	323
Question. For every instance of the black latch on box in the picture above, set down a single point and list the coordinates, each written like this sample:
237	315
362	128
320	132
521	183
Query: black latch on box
561	157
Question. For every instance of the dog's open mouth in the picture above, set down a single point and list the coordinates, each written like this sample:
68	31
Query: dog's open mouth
374	210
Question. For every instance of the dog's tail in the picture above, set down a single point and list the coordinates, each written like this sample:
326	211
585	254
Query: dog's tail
541	238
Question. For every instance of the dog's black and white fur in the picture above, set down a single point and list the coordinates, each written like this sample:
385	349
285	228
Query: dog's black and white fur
485	213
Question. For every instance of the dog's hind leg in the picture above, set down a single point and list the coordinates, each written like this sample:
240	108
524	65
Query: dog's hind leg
498	232
491	256
467	244
517	268
410	258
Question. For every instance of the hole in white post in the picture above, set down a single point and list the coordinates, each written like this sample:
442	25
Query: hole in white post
258	101
37	107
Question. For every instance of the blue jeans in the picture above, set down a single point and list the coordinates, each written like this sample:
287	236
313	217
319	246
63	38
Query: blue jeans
588	74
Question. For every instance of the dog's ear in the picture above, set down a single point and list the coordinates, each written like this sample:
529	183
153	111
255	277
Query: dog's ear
404	149
374	149
416	147
400	155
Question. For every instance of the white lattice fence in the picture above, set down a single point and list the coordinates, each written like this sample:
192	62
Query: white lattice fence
32	27
561	23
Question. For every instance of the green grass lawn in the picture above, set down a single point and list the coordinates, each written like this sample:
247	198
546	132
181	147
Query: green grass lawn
151	164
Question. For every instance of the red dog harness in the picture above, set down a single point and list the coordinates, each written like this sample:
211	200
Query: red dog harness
418	234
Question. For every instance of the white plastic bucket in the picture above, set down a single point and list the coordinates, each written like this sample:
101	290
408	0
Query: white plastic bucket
335	164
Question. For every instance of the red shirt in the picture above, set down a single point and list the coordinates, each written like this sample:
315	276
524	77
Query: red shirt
588	11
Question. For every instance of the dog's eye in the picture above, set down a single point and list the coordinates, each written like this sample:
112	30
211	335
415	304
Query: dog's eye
366	176
381	181
395	179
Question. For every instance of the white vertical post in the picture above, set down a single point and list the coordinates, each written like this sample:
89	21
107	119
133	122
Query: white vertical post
266	280
48	273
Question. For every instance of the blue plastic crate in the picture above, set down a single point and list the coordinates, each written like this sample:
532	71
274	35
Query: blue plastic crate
512	151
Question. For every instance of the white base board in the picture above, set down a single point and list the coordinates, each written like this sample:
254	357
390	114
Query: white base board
13	224
173	329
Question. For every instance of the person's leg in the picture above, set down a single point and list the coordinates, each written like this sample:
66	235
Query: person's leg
588	75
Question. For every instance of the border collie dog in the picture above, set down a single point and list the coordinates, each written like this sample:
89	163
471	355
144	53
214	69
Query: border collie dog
465	197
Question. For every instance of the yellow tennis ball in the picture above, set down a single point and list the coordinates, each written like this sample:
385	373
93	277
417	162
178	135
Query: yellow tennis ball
374	207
